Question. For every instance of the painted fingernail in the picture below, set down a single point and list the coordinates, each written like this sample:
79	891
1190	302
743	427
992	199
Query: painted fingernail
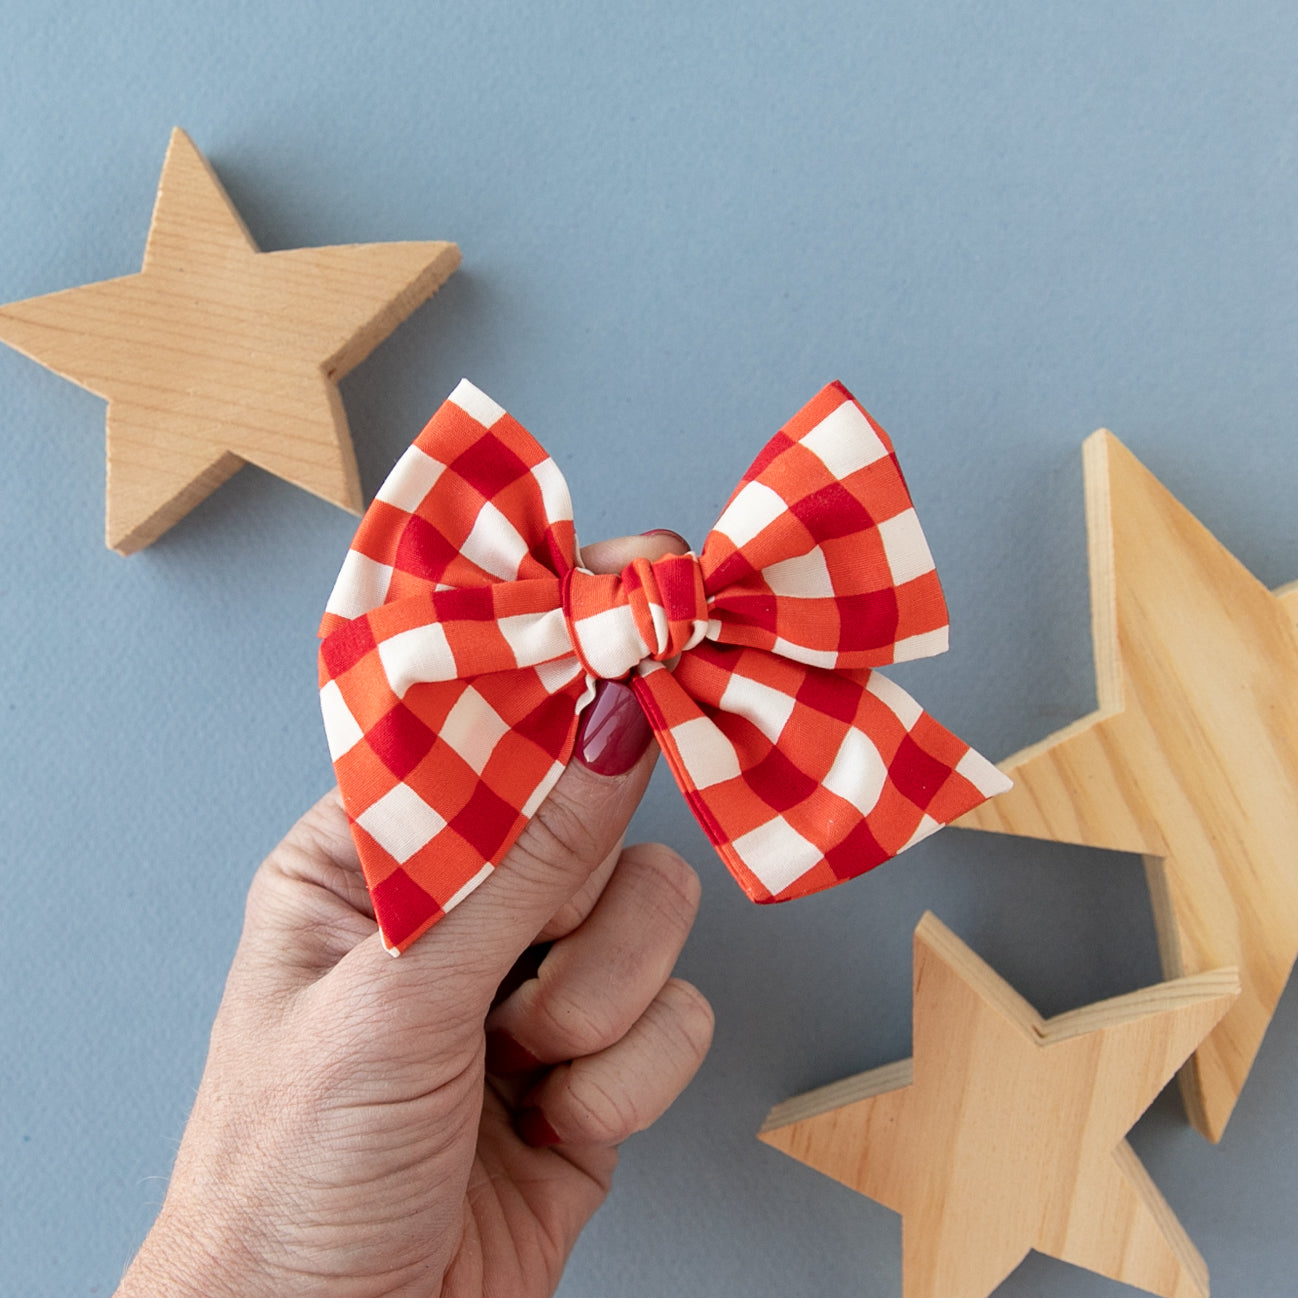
614	733
506	1055
534	1129
667	531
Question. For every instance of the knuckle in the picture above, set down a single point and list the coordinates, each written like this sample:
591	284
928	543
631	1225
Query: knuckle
578	1025
270	897
569	916
267	880
604	1115
668	879
689	1015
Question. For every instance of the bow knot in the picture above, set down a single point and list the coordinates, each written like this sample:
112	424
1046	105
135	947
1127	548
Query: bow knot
650	610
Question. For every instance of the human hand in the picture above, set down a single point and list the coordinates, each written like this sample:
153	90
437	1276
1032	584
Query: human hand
357	1133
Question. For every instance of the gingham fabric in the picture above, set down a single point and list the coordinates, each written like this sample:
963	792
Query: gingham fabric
462	641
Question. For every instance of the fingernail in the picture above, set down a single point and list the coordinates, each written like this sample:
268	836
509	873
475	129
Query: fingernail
534	1129
667	531
614	733
506	1055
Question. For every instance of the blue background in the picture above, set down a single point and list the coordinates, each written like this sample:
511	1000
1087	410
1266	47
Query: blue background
1002	225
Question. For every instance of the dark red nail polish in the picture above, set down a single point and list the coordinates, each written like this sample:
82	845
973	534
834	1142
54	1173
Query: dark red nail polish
667	531
534	1129
506	1055
614	733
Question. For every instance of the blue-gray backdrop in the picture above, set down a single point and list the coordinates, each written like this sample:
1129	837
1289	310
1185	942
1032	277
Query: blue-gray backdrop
1001	224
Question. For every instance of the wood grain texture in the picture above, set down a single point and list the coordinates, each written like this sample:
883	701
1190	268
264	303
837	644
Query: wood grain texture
1006	1132
216	354
1190	760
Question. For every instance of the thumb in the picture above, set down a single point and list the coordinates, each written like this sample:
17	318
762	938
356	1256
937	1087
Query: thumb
575	830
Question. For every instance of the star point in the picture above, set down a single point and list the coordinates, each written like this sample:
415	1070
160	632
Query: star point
215	354
1006	1132
1190	759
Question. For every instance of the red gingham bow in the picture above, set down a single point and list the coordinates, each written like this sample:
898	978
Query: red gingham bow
462	641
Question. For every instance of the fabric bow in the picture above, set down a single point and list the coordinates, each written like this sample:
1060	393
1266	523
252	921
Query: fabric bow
462	641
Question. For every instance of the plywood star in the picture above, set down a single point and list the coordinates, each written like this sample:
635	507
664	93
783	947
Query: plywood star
1190	760
216	354
1006	1132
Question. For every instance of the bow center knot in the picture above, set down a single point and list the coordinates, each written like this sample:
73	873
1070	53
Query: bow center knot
648	610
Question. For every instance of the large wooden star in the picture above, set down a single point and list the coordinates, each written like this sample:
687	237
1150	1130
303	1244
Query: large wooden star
1190	760
216	354
1006	1132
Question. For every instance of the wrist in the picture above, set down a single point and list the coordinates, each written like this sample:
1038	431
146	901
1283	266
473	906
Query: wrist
175	1262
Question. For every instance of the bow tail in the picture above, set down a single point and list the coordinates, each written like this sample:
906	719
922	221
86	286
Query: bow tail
803	778
438	783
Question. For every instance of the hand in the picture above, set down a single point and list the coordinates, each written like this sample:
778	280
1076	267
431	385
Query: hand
353	1136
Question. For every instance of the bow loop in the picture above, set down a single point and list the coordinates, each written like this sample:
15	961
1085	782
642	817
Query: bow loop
818	555
473	503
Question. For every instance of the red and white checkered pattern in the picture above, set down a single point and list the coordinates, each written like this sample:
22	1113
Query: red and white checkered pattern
462	641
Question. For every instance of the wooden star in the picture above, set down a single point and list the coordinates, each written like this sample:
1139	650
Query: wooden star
216	354
1005	1132
1190	760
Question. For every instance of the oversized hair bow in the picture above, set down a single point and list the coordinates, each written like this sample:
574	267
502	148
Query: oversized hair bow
462	641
